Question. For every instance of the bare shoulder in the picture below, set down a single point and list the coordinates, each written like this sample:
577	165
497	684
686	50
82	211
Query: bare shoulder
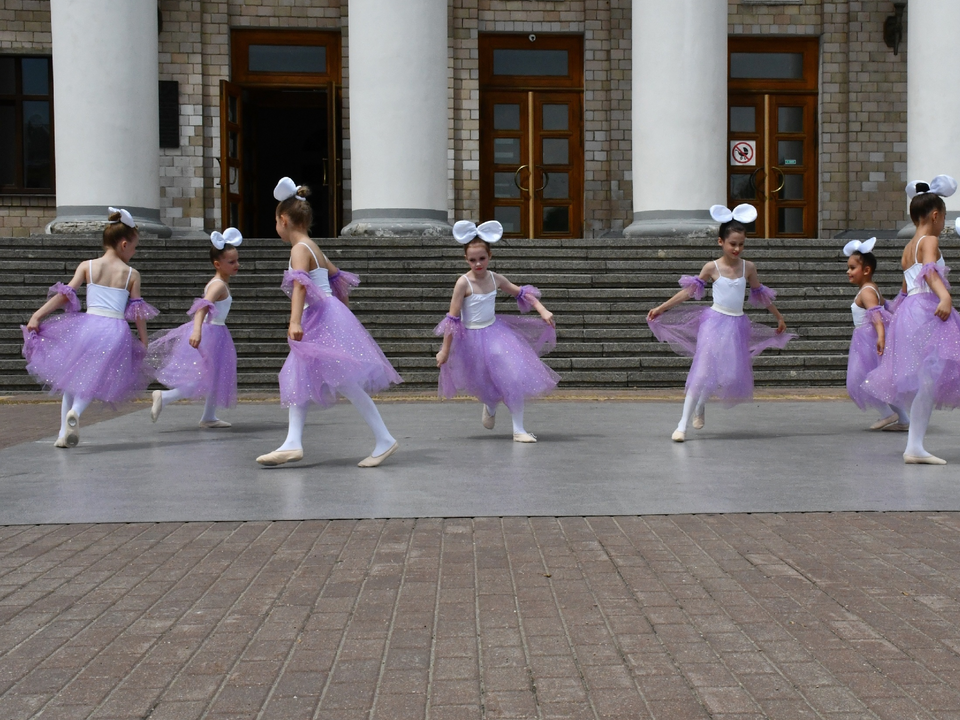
709	270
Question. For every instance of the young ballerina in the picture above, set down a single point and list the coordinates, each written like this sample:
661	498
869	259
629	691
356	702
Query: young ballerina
198	358
870	318
93	355
330	351
494	359
920	367
721	339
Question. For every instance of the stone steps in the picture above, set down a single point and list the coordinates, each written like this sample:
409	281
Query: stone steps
600	291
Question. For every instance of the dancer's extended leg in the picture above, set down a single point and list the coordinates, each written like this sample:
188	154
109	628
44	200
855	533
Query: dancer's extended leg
72	435
368	411
210	419
920	412
297	419
65	406
519	434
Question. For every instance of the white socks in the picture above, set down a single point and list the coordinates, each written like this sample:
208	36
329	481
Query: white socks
920	412
209	411
902	416
368	411
298	418
517	416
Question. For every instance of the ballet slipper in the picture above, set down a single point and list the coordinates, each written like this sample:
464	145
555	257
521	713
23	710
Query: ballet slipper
524	437
883	422
699	418
61	443
73	429
923	460
279	457
157	406
488	419
375	460
897	427
212	424
678	436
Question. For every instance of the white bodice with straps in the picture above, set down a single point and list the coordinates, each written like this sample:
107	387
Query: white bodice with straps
105	300
319	276
860	313
912	274
728	293
477	310
222	306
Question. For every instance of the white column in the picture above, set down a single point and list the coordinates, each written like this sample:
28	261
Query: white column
933	105
679	117
106	112
398	117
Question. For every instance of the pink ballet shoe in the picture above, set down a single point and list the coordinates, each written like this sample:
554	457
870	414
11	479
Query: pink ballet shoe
923	460
157	406
213	424
524	437
896	427
280	457
61	443
699	418
72	437
375	460
883	422
678	436
487	419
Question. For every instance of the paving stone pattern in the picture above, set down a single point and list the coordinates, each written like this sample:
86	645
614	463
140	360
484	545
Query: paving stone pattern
712	616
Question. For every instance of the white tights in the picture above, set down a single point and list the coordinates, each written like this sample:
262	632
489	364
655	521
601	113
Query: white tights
516	415
364	405
902	417
209	407
920	411
78	405
691	404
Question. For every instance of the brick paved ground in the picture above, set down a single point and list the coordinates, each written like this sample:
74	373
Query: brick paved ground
723	616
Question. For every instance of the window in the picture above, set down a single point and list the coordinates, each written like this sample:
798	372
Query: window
26	125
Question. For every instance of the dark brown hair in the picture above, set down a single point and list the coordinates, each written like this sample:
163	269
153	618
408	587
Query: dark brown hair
730	227
867	259
217	253
925	203
478	241
116	232
297	209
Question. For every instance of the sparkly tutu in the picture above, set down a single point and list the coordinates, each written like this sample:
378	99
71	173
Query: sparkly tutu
208	371
498	363
863	359
722	347
336	351
920	346
88	356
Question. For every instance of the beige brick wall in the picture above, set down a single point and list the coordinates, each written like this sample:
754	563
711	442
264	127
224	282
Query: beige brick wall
862	98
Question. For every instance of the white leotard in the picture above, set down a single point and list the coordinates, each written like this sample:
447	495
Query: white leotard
105	300
860	313
912	273
477	310
222	306
319	275
728	294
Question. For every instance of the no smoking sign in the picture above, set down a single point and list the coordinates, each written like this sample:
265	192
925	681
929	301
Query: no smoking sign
743	153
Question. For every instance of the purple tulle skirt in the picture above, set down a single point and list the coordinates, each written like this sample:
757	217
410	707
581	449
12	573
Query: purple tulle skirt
862	360
920	348
89	356
722	347
208	371
336	351
499	363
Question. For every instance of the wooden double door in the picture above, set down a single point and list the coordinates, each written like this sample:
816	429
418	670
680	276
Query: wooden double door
531	135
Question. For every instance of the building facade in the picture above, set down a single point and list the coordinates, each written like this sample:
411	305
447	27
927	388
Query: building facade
561	118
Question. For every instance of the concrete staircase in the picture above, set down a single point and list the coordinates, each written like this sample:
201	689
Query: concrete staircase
599	289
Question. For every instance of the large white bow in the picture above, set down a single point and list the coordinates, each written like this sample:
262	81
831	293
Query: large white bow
230	236
125	217
464	231
957	226
861	247
286	188
942	185
745	213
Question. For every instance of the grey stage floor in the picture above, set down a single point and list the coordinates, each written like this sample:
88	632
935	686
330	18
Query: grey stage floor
593	458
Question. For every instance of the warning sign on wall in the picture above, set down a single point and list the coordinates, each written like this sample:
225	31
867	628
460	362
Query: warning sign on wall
743	152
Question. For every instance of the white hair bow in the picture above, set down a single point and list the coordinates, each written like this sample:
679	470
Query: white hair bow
464	231
942	185
125	217
856	246
230	236
745	213
957	226
286	188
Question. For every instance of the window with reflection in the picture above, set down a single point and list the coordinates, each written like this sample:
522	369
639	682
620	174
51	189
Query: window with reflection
26	132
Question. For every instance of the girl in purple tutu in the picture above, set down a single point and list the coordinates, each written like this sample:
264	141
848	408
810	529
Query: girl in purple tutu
331	353
93	355
870	317
721	339
494	359
198	358
920	367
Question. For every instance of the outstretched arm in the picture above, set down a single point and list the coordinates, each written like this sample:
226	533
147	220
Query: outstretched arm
534	302
683	294
58	300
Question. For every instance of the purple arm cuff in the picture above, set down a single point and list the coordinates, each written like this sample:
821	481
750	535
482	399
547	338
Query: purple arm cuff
140	309
203	303
341	283
694	285
526	296
73	303
891	305
762	296
450	325
885	315
932	268
315	295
